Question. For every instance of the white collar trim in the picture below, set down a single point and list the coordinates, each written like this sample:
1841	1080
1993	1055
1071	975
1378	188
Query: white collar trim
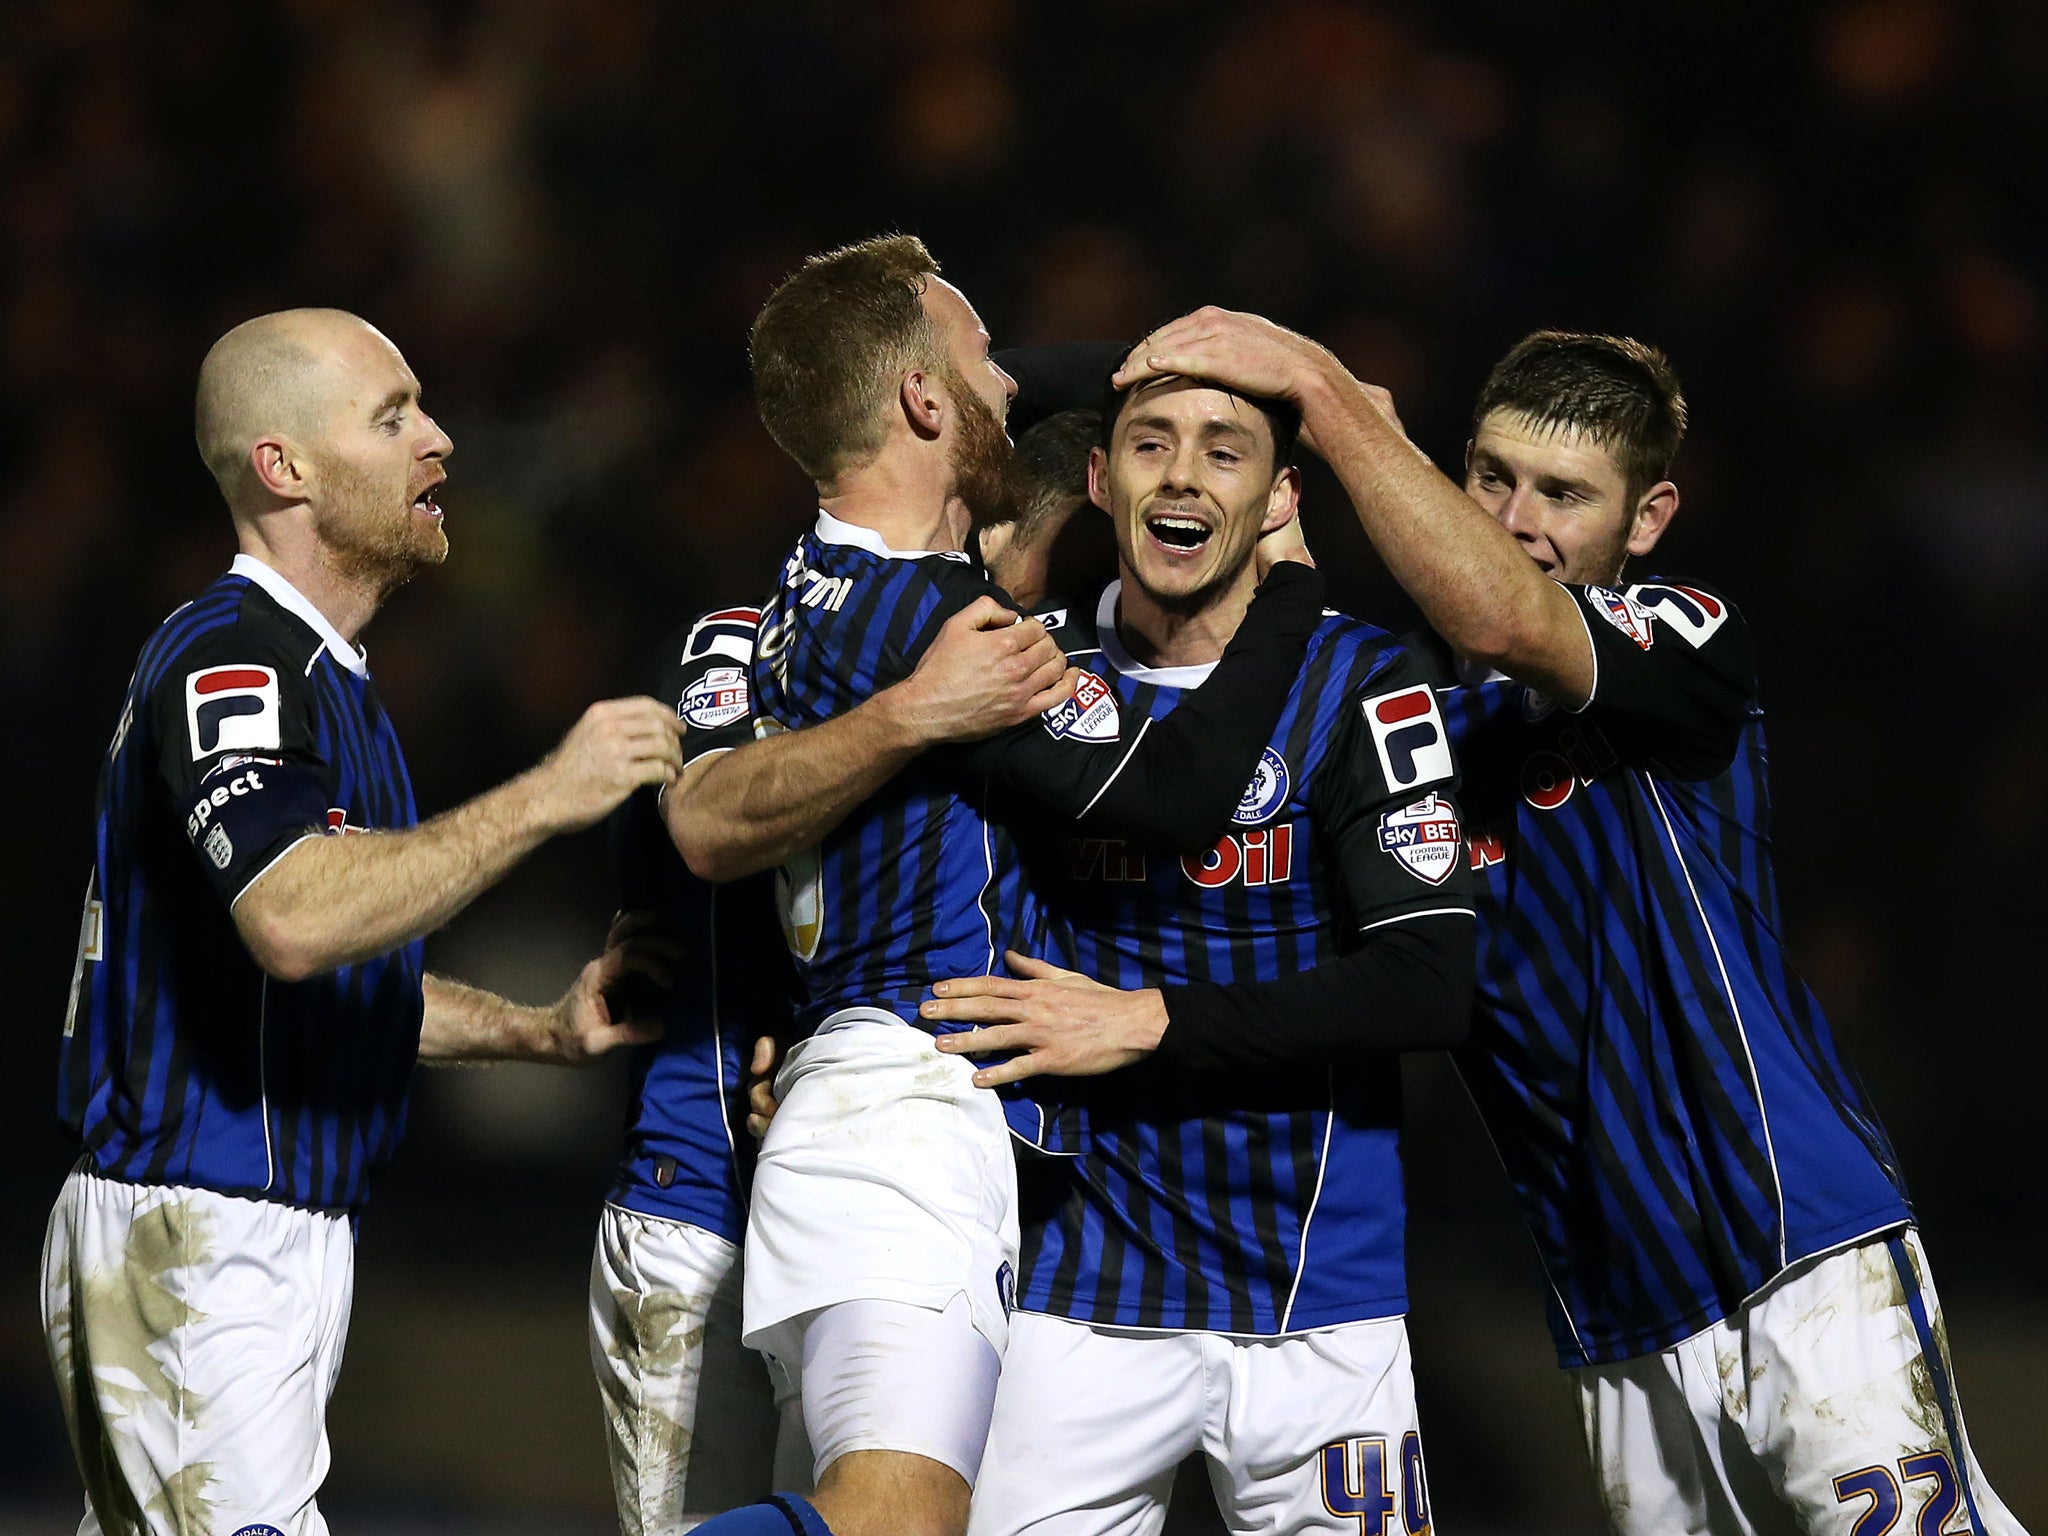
832	530
1193	675
295	602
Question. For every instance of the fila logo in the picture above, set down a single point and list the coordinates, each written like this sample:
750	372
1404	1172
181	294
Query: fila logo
1408	733
231	709
729	633
1693	614
1256	858
337	823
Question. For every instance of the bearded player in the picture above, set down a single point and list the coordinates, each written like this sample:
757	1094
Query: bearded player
882	1240
248	999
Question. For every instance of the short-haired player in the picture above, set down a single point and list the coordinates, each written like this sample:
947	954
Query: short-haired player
881	1243
248	999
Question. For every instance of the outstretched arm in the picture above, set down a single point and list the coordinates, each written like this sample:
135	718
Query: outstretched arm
465	1025
1409	989
1476	588
751	808
332	901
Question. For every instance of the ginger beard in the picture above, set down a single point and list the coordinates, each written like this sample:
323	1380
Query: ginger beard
374	534
981	455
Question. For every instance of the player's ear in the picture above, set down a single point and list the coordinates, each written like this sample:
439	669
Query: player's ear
1653	515
280	468
1098	478
923	404
1283	502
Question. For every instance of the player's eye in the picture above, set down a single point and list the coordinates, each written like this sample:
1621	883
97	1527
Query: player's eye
1224	457
390	424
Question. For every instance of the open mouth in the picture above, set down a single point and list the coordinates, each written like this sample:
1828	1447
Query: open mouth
1178	533
428	501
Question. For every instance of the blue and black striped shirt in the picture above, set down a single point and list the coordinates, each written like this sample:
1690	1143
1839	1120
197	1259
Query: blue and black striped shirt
1267	1202
1663	1089
250	724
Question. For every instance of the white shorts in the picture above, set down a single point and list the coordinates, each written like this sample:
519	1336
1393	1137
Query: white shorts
1826	1405
886	1176
196	1338
1306	1432
886	1376
690	1420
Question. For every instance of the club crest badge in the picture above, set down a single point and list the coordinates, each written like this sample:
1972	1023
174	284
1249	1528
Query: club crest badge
1267	791
1625	614
718	698
1090	715
1425	838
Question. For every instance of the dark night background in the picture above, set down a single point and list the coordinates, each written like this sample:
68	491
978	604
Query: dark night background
566	213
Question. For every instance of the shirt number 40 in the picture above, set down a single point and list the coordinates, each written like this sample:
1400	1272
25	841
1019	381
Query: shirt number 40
1879	1486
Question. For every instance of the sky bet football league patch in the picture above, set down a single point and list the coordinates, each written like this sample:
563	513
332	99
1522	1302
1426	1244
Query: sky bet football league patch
1425	838
1090	715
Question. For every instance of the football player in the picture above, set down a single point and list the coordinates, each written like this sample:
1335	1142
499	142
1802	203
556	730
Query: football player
248	998
1218	1266
882	1240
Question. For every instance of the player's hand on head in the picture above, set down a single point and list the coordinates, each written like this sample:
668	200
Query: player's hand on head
593	1018
618	745
984	672
1244	352
1059	1022
761	1100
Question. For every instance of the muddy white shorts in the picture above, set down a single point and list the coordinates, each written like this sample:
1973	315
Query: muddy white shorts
1826	1405
690	1419
196	1338
886	1176
1305	1432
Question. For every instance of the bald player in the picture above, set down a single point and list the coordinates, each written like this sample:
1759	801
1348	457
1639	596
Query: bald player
248	998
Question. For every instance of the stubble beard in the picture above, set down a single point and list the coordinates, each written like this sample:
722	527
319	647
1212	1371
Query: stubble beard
366	543
1202	595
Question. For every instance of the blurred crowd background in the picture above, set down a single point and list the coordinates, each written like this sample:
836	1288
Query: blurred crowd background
565	212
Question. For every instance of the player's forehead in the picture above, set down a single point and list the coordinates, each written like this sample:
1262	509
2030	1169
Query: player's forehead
1535	447
1190	406
366	368
951	311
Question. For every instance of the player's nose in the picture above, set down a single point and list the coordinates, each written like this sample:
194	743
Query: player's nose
437	444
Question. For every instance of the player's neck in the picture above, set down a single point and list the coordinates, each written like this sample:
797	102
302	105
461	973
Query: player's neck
347	602
1161	636
906	500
